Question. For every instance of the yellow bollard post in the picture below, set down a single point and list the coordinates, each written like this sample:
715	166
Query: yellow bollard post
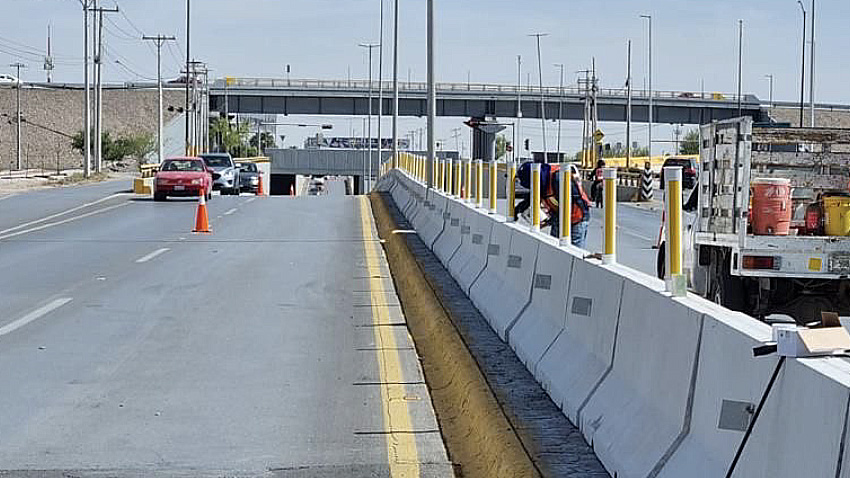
457	163
674	278
510	184
479	183
535	197
565	204
609	180
491	179
467	179
449	171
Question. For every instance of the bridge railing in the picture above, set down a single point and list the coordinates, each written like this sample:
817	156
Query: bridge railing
421	87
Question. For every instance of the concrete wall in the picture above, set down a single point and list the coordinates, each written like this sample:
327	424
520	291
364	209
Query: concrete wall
124	111
661	386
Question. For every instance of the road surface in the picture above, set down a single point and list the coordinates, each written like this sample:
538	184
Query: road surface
273	346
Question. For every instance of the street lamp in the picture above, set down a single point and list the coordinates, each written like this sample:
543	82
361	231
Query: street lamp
542	97
802	64
369	46
560	66
649	130
770	95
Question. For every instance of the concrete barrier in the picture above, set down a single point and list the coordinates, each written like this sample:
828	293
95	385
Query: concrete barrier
448	242
506	290
636	415
540	324
729	384
433	223
660	386
583	353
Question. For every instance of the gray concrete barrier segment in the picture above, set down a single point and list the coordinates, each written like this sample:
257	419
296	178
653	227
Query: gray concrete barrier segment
666	387
448	242
472	257
506	292
436	220
539	325
637	412
583	354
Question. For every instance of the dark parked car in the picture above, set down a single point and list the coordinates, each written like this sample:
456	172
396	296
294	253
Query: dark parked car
689	170
249	177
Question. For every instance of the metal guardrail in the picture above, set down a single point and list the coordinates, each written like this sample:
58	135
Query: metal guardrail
422	87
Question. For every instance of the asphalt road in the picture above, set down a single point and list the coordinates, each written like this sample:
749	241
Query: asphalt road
132	347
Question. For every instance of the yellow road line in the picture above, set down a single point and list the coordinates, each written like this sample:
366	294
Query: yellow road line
401	444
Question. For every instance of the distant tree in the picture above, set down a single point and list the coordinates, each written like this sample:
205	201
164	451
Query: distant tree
124	146
690	143
230	138
267	140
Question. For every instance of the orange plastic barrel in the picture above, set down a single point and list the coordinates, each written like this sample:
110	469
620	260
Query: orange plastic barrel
771	213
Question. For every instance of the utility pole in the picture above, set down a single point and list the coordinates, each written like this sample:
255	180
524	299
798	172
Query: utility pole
87	107
48	59
159	40
560	105
98	94
649	140
812	71
395	84
629	106
770	94
188	60
542	96
518	101
585	85
802	64
740	60
381	85
18	65
370	46
432	94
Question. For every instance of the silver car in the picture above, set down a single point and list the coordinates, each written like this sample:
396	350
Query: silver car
225	172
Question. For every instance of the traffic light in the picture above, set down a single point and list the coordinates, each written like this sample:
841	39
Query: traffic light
527	145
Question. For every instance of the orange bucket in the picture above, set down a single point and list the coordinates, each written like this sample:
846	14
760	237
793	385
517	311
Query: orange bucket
771	213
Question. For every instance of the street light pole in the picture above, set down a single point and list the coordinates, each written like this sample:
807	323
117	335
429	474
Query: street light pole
395	83
87	108
629	106
432	95
381	85
812	72
802	64
542	97
368	183
770	91
18	65
188	60
740	61
649	130
560	105
518	102
159	40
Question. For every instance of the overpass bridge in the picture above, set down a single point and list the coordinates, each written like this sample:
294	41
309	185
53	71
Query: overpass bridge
343	97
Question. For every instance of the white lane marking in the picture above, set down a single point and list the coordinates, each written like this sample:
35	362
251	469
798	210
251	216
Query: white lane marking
7	196
630	233
63	213
152	255
251	200
58	223
36	314
229	212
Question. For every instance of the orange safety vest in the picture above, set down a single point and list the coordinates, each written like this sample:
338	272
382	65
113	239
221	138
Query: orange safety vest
550	201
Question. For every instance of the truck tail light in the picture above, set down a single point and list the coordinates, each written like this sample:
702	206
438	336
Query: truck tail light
762	262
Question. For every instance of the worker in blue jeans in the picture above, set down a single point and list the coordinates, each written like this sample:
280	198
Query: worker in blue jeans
580	214
549	183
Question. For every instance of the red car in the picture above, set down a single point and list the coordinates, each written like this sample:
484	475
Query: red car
182	177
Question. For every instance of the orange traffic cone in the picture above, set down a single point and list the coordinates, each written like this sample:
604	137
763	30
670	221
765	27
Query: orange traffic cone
202	219
260	191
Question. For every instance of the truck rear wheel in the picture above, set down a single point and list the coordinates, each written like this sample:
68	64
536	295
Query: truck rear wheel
727	290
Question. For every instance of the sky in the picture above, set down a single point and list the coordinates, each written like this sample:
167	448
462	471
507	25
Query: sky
694	43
